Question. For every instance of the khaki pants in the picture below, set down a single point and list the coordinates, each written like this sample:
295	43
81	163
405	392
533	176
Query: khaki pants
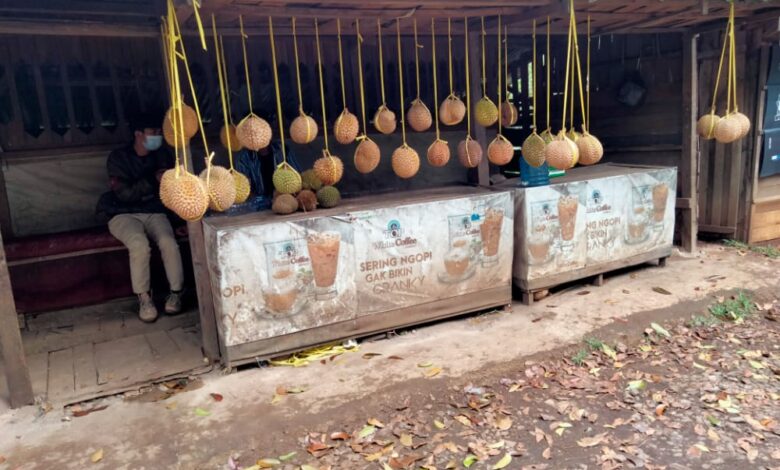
134	230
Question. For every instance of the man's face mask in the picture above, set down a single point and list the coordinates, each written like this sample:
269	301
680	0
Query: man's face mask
153	142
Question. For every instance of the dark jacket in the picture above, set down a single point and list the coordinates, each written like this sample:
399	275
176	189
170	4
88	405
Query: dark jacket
133	182
260	168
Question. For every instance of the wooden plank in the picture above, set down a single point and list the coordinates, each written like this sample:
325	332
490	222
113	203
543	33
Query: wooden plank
61	373
208	319
76	28
766	219
762	234
186	339
122	359
39	372
758	137
11	349
689	155
161	344
84	368
722	229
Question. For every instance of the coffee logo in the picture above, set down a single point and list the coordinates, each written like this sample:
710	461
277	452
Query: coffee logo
288	253
596	203
394	237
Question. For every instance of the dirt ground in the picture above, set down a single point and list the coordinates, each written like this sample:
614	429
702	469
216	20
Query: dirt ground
519	388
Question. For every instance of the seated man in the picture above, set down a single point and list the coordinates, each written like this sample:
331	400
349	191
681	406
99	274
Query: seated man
137	214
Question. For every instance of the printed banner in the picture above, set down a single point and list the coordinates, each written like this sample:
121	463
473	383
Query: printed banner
277	278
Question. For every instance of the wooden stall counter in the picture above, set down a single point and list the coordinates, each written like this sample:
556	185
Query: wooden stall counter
284	283
591	221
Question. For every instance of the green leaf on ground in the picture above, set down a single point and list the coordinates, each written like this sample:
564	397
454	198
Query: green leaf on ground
660	330
505	460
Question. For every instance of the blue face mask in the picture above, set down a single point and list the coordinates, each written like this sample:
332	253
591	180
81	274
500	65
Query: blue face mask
153	142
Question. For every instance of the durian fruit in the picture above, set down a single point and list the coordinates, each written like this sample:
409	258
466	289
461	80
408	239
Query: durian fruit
744	123
469	152
328	196
486	112
547	136
533	149
367	156
303	129
286	180
559	153
184	194
221	186
346	127
590	149
310	180
419	116
509	114
706	124
170	136
575	151
329	168
284	204
405	161
307	200
452	110
384	120
253	132
235	145
728	129
500	151
438	153
243	188
573	135
189	116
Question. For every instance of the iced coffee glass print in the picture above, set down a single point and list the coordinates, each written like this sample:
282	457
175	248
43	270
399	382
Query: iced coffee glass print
490	233
638	216
282	291
324	254
540	241
660	196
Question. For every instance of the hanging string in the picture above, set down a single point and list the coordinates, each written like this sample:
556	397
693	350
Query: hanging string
506	62
246	63
225	75
381	61
341	65
221	80
468	91
579	75
498	35
169	72
566	83
279	116
533	77
720	69
449	52
587	82
417	47
297	67
733	58
547	66
322	87
360	76
435	84
573	68
729	83
195	9
401	78
484	75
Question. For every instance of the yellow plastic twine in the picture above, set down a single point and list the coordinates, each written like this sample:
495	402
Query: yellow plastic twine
246	64
498	35
341	65
435	83
360	80
506	63
326	151
227	80
484	75
533	77
587	82
468	88
297	69
566	85
417	47
579	74
401	80
196	4
381	61
279	116
547	66
449	53
221	80
713	108
733	59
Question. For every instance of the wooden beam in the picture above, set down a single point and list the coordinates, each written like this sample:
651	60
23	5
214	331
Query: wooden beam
687	171
17	373
77	28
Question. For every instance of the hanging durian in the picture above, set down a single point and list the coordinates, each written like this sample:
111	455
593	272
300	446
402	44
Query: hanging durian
328	168
452	110
405	160
367	153
303	129
253	132
500	150
533	148
439	151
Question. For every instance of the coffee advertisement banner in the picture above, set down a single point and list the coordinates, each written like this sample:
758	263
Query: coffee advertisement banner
276	278
572	225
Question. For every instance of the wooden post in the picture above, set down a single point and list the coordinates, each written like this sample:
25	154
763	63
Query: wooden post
208	321
16	371
689	157
480	133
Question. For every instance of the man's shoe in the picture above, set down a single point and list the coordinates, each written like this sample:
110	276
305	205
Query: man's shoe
173	302
147	311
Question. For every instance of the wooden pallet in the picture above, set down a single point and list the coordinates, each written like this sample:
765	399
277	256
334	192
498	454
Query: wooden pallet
595	273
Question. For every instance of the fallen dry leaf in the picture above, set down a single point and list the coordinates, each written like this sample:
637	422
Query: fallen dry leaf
433	372
216	396
661	290
547	454
339	436
592	441
97	456
406	440
370	355
504	423
376	423
81	412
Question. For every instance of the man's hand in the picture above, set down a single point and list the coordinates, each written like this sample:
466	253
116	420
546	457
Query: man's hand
181	231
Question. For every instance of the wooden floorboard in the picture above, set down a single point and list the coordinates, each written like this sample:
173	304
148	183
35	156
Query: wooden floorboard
85	370
123	359
60	381
39	372
162	344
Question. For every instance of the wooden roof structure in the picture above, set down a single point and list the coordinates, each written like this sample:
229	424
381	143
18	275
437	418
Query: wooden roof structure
141	17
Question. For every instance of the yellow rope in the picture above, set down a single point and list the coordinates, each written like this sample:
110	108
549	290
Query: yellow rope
195	9
279	116
587	82
246	63
547	65
381	61
417	47
341	65
400	78
225	74
484	75
729	83
322	87
297	67
468	91
498	35
169	57
449	52
533	77
506	62
221	79
360	76
579	75
733	59
573	72
720	69
435	84
566	83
